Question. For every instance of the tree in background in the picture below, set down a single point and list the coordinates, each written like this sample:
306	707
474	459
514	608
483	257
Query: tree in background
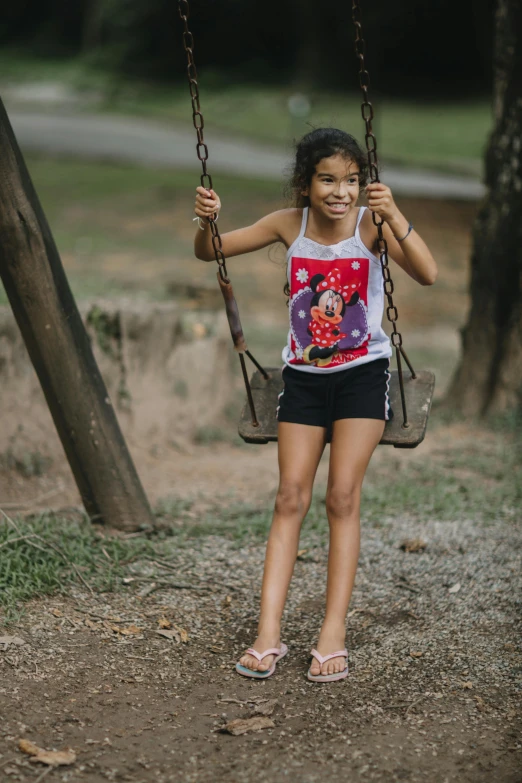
489	378
415	48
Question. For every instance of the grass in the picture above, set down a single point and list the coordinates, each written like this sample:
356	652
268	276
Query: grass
443	135
110	222
34	566
478	477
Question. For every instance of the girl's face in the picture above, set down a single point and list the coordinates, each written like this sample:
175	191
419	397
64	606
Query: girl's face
334	188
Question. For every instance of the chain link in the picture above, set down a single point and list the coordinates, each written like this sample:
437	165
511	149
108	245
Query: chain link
373	166
199	123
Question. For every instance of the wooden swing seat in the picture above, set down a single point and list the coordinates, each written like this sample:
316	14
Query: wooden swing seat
418	393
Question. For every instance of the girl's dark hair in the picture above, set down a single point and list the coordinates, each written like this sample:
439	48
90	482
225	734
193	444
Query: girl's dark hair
316	145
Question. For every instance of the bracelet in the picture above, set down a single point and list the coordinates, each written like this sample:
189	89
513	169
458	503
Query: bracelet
406	235
202	227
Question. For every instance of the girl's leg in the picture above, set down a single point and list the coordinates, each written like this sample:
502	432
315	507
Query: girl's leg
353	443
300	447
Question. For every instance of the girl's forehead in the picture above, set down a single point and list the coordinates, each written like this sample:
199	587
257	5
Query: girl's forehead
337	165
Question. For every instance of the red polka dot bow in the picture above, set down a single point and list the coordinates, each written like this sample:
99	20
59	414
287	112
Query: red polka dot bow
332	282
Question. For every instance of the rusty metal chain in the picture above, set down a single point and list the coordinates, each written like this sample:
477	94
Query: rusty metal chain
373	169
199	124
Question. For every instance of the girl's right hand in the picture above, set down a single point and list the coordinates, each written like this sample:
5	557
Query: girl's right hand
207	204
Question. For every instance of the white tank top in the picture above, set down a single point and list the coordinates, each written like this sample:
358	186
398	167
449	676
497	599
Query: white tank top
336	304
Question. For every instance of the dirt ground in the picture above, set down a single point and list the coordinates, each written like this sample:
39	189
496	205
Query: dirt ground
141	683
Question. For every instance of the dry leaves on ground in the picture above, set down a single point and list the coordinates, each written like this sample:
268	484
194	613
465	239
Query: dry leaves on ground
8	640
243	725
177	634
413	545
266	708
53	758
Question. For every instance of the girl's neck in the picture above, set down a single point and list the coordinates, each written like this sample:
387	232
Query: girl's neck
330	232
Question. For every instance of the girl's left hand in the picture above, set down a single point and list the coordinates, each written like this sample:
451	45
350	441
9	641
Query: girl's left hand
380	201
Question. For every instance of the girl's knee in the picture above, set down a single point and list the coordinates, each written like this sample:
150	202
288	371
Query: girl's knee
292	499
343	502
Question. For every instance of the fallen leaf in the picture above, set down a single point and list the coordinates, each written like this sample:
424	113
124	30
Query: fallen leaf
53	758
131	629
413	545
244	725
7	640
301	553
265	709
416	653
183	634
481	706
164	623
455	588
172	635
26	746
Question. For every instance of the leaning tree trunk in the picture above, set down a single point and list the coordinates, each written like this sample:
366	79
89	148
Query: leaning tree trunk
59	347
489	378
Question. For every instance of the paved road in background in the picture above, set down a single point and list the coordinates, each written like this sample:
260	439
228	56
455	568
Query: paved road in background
149	143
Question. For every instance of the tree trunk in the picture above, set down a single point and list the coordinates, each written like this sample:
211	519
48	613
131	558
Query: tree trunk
489	378
60	350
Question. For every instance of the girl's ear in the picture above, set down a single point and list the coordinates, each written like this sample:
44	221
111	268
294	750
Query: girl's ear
305	192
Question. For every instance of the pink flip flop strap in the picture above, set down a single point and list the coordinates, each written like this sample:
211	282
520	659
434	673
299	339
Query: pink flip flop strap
260	656
339	654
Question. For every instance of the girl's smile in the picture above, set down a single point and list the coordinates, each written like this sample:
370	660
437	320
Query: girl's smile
334	188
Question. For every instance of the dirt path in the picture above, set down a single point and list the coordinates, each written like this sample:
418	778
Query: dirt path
145	142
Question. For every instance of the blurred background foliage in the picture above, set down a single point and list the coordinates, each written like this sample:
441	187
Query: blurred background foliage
440	49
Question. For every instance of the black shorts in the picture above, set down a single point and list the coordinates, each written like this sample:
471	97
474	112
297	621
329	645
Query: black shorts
360	392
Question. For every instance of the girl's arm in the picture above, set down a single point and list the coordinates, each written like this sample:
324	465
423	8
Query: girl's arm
411	254
271	228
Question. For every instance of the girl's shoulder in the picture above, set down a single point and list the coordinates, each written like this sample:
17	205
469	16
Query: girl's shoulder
288	223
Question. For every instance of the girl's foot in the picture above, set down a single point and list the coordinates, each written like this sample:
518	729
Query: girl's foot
263	642
330	640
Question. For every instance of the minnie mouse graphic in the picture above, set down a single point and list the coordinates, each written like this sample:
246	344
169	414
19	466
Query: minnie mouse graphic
327	309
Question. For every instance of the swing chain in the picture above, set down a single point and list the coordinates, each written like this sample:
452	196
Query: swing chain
373	167
199	123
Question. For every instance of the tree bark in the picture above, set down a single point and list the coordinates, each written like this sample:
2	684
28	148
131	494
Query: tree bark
489	378
60	350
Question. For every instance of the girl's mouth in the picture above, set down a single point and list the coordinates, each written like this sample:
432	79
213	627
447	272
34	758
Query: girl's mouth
337	206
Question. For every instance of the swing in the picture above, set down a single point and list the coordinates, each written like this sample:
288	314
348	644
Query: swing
258	423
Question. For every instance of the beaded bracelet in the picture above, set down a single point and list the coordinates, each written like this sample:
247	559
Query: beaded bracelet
406	235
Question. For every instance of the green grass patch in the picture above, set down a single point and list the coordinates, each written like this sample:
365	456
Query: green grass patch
47	553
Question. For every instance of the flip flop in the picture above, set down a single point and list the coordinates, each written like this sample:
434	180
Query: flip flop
278	652
329	677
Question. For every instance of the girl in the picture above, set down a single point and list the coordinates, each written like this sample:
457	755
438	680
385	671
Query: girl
336	369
